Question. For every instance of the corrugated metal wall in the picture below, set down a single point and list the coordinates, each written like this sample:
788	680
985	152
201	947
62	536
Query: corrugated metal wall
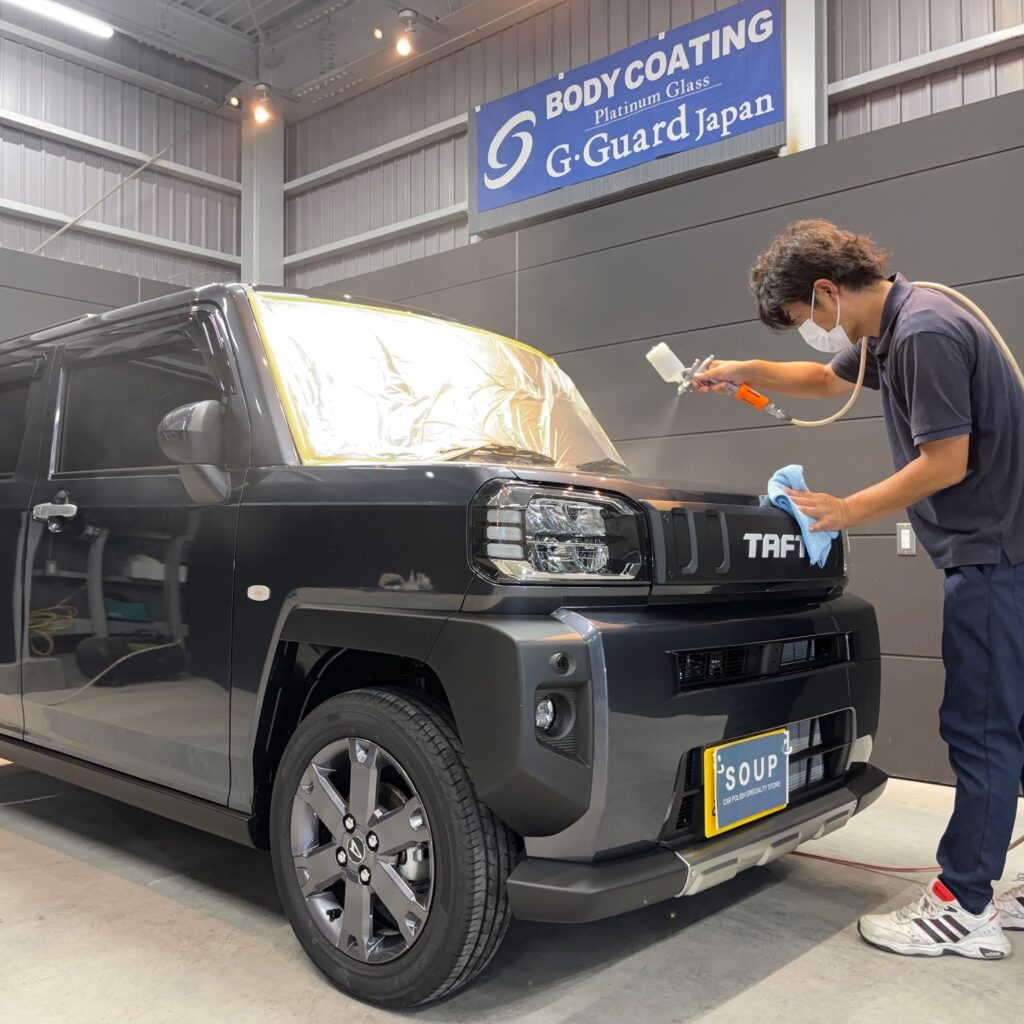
562	37
864	34
64	178
869	34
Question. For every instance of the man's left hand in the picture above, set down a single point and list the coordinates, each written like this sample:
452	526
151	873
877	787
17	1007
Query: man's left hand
830	513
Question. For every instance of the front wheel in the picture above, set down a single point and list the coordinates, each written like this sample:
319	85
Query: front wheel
391	872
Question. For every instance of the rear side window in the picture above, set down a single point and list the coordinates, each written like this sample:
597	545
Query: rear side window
14	386
116	396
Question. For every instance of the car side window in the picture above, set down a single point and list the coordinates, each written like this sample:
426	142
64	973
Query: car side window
15	382
117	392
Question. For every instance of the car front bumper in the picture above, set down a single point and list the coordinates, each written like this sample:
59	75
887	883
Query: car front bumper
571	892
619	782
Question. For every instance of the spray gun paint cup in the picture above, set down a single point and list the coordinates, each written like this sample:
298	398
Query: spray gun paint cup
667	363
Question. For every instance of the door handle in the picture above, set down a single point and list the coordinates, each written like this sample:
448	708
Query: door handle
53	512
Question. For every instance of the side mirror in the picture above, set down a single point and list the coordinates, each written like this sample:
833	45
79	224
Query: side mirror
193	437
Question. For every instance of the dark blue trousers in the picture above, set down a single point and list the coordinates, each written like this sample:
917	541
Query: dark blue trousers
982	721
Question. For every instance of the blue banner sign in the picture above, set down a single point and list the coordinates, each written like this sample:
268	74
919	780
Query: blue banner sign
709	80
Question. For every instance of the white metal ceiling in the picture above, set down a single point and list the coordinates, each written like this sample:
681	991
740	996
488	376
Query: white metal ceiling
255	17
260	19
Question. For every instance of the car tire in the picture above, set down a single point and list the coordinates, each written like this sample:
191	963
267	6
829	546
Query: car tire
413	746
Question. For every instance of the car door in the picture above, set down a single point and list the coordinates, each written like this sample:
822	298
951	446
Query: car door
130	586
22	399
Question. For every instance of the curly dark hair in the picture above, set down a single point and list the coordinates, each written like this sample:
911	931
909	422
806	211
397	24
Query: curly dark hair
805	251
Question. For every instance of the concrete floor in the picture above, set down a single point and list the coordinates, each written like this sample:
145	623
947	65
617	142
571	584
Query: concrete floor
111	915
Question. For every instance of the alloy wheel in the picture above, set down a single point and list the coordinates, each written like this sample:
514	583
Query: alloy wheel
362	849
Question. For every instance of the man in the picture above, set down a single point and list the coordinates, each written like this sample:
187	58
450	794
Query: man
954	414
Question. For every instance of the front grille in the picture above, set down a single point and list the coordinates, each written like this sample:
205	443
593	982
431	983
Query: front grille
819	754
714	665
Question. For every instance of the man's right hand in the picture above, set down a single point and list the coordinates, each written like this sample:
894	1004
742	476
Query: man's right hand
802	380
719	373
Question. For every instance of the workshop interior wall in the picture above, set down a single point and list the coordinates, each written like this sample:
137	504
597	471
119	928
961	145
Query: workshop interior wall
597	289
36	291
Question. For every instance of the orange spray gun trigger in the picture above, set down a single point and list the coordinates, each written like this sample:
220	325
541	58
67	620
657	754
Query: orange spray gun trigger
745	393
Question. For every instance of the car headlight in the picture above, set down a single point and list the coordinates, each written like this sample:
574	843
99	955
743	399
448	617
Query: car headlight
523	533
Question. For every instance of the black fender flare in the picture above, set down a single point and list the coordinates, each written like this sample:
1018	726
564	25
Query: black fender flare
491	668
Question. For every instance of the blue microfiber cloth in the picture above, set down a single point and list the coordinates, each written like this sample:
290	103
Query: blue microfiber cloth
817	545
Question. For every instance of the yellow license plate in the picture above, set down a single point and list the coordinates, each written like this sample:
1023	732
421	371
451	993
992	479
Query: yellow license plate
745	780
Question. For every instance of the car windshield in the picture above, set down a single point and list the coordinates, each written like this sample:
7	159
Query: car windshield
365	384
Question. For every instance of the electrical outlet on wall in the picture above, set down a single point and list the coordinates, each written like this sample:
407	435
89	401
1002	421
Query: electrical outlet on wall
906	539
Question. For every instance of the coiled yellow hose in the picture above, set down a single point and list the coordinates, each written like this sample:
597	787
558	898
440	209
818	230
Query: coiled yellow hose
46	623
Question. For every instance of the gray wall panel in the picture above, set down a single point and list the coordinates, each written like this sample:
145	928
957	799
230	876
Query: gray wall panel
37	292
489	258
908	744
54	277
490	304
906	592
22	312
618	293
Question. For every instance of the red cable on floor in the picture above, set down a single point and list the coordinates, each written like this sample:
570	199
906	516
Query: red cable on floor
883	867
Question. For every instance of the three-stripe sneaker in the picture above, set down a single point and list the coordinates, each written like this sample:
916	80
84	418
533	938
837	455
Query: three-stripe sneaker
937	924
1011	907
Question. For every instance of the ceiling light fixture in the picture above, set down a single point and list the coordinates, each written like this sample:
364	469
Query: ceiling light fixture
66	15
261	111
234	101
378	33
403	44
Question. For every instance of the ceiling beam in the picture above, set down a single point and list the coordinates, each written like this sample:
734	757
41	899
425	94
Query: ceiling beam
307	18
181	32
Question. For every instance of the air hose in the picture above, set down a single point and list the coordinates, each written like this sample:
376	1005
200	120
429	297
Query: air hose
970	306
885	869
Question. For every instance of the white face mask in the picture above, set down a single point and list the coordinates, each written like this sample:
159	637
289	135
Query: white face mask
817	337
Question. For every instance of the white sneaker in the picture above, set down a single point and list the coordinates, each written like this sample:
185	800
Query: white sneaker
937	924
1011	907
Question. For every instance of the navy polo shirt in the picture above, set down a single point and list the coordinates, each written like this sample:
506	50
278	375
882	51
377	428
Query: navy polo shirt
941	375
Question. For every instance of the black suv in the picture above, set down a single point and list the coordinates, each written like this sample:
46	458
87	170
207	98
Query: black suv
373	589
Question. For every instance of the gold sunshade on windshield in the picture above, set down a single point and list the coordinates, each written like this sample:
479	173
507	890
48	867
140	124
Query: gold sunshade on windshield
365	384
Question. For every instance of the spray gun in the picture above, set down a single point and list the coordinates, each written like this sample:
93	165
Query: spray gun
672	370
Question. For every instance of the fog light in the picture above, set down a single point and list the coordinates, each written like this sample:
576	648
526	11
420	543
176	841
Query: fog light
545	714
